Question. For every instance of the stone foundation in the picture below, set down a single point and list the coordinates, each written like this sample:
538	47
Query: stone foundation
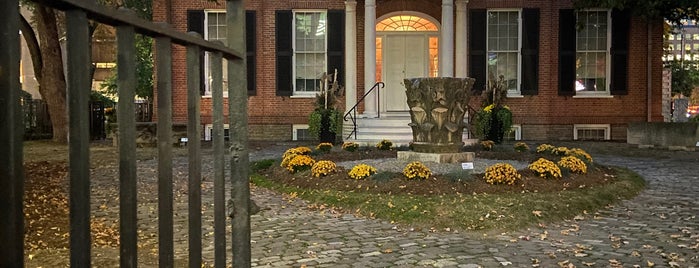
436	157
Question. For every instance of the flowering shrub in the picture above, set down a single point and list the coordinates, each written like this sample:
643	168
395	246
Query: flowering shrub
574	164
560	150
323	168
417	170
521	147
324	147
350	146
501	173
301	150
384	145
361	171
293	152
545	168
300	162
543	148
580	153
487	145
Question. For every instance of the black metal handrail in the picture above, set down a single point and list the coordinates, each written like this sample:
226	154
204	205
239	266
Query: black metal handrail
352	112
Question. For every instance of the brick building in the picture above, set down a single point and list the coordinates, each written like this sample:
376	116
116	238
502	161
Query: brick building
564	82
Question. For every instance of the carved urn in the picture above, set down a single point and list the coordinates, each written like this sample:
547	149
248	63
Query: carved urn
437	108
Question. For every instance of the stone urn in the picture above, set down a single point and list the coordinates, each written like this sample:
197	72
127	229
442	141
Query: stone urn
437	108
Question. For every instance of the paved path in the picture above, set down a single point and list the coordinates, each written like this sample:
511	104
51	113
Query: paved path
659	227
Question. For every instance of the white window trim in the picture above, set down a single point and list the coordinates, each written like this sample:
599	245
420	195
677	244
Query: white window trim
294	130
209	131
606	127
518	91
517	129
608	54
207	63
305	94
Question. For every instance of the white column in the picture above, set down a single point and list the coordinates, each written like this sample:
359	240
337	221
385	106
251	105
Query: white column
350	57
446	45
461	63
370	103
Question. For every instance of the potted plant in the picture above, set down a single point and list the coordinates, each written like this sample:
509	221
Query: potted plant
325	121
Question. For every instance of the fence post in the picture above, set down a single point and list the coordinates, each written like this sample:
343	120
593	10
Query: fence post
238	122
194	150
78	62
126	84
11	170
219	163
165	207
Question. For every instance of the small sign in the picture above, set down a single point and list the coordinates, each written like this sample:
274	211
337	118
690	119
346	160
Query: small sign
184	140
467	165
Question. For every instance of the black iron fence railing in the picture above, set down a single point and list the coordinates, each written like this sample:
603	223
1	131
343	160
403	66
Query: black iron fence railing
77	13
351	114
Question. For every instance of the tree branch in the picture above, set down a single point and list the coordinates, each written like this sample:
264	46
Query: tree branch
33	45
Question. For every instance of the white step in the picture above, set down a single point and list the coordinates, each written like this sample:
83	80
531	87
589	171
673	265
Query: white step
372	130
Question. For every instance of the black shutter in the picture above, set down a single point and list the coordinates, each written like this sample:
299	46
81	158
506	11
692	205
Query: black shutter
284	51
566	52
530	51
477	48
251	45
336	44
621	21
195	23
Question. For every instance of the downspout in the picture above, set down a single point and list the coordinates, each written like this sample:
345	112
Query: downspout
649	73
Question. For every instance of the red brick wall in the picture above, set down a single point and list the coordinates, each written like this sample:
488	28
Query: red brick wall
543	116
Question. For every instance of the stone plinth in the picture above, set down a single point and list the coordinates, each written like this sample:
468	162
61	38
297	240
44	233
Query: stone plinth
436	157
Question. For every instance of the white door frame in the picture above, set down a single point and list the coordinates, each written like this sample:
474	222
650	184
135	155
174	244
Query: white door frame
383	95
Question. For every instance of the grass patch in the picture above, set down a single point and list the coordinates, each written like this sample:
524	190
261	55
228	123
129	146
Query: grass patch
487	212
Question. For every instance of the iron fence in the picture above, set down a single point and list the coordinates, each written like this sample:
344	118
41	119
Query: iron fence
77	13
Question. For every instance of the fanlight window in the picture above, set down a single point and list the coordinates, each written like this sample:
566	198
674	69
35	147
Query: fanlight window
406	23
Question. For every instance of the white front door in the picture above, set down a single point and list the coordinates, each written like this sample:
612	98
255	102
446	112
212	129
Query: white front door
405	56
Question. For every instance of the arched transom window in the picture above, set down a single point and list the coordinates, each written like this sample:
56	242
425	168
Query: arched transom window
406	23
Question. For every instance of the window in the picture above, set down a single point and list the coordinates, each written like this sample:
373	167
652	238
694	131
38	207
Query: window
592	52
300	133
215	30
515	134
307	44
591	132
209	132
503	47
505	42
408	23
309	48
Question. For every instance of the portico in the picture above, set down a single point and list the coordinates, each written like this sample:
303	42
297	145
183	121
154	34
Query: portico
403	52
402	44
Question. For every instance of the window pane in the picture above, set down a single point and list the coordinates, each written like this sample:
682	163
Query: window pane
504	64
503	46
309	50
592	51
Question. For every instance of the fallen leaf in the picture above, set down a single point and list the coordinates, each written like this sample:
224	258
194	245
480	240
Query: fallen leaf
537	213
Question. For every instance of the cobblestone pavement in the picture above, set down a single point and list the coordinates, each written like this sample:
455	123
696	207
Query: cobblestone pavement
658	228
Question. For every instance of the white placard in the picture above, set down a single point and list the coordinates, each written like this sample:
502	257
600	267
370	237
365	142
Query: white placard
184	139
467	165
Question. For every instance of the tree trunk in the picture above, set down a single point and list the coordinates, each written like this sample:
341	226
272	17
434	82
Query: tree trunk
52	83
